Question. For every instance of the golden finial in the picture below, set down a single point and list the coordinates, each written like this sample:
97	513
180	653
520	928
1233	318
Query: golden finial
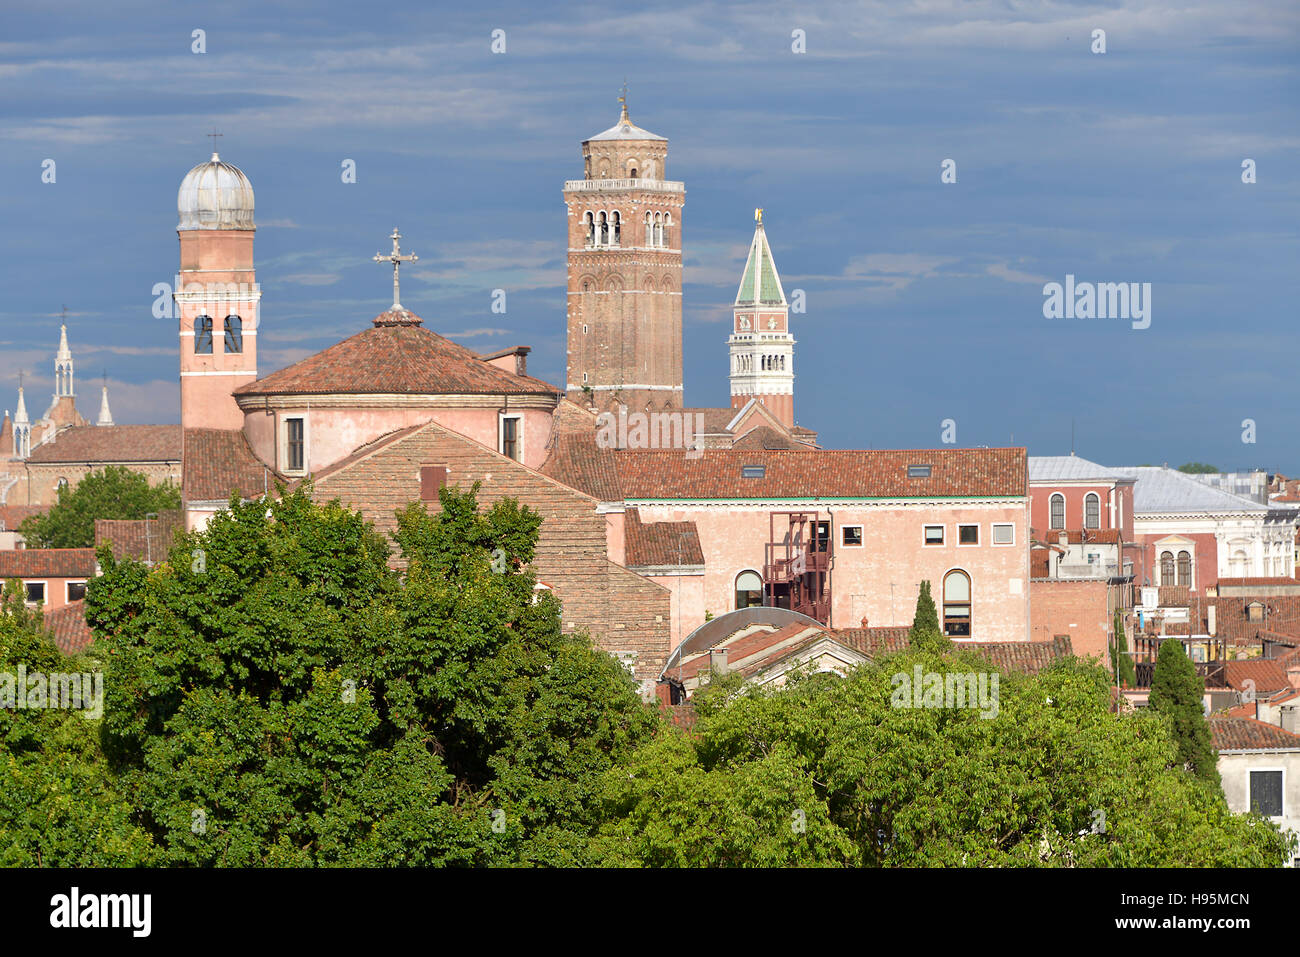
622	99
758	216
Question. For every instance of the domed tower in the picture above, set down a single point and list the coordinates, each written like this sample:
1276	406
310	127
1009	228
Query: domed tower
625	272
217	298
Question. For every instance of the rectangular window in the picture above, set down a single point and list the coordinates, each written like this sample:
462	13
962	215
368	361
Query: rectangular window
851	536
35	591
510	437
295	444
1004	533
934	534
1266	792
918	471
753	471
968	534
76	591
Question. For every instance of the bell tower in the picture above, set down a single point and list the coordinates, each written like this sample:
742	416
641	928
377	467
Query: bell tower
625	272
217	296
762	348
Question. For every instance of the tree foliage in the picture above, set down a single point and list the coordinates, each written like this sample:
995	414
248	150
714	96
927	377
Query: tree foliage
1121	662
114	492
1197	468
1178	691
925	632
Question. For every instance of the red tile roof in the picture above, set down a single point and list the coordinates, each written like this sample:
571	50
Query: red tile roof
579	463
1266	675
1252	582
766	437
400	359
1028	657
109	444
11	516
660	543
139	539
47	563
1247	734
67	627
219	461
716	474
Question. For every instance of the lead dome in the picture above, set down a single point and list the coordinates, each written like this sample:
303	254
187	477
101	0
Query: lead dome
215	195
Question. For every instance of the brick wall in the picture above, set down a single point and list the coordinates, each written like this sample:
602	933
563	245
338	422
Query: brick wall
626	614
1080	609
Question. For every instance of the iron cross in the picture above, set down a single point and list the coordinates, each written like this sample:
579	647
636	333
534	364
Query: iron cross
396	258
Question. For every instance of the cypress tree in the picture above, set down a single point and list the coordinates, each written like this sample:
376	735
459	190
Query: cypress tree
1121	662
925	632
1176	690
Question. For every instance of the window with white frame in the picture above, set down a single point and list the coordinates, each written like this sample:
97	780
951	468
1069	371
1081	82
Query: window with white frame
511	439
75	591
1057	509
1004	533
934	534
968	534
1092	510
1266	792
35	591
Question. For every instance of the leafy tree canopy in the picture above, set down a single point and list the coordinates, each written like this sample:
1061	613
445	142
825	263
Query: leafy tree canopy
1197	468
114	492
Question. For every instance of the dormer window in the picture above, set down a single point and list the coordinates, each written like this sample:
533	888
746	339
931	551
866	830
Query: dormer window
1255	611
918	471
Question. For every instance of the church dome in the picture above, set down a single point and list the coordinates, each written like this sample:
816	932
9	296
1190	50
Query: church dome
215	195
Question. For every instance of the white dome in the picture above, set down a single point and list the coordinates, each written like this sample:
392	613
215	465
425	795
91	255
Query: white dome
215	195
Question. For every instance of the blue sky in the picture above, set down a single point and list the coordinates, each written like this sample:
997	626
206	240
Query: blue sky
924	299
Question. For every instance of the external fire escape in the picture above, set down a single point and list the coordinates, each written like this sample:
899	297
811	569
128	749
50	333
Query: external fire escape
797	564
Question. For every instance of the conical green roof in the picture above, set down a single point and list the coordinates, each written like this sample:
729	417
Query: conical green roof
760	284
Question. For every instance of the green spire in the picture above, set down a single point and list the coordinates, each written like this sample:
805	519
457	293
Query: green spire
760	272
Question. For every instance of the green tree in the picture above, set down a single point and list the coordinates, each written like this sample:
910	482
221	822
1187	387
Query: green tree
279	696
1177	691
1197	468
114	492
837	773
59	806
1121	662
925	631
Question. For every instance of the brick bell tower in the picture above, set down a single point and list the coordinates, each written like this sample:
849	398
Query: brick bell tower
217	296
761	346
625	272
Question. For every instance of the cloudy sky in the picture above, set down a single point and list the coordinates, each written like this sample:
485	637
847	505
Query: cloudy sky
924	299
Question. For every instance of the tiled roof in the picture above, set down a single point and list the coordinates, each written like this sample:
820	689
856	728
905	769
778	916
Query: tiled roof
112	443
139	539
1252	582
1028	657
766	437
874	640
579	463
716	474
47	563
1045	468
1175	596
400	359
660	543
1265	675
1076	536
11	516
67	627
1247	734
220	461
715	420
1161	490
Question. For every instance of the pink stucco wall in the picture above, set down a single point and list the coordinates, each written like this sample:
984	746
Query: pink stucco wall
879	580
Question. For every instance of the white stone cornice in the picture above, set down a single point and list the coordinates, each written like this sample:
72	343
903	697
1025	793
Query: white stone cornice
297	400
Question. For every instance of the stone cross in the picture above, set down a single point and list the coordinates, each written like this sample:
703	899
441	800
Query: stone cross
396	258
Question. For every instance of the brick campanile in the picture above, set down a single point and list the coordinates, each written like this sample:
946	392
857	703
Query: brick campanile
625	273
217	295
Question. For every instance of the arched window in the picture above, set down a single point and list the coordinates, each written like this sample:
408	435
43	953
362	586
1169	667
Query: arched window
1184	568
618	228
749	589
589	224
603	239
649	228
61	483
1166	568
631	173
1240	563
666	229
1058	511
659	229
203	336
234	334
956	604
1092	510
